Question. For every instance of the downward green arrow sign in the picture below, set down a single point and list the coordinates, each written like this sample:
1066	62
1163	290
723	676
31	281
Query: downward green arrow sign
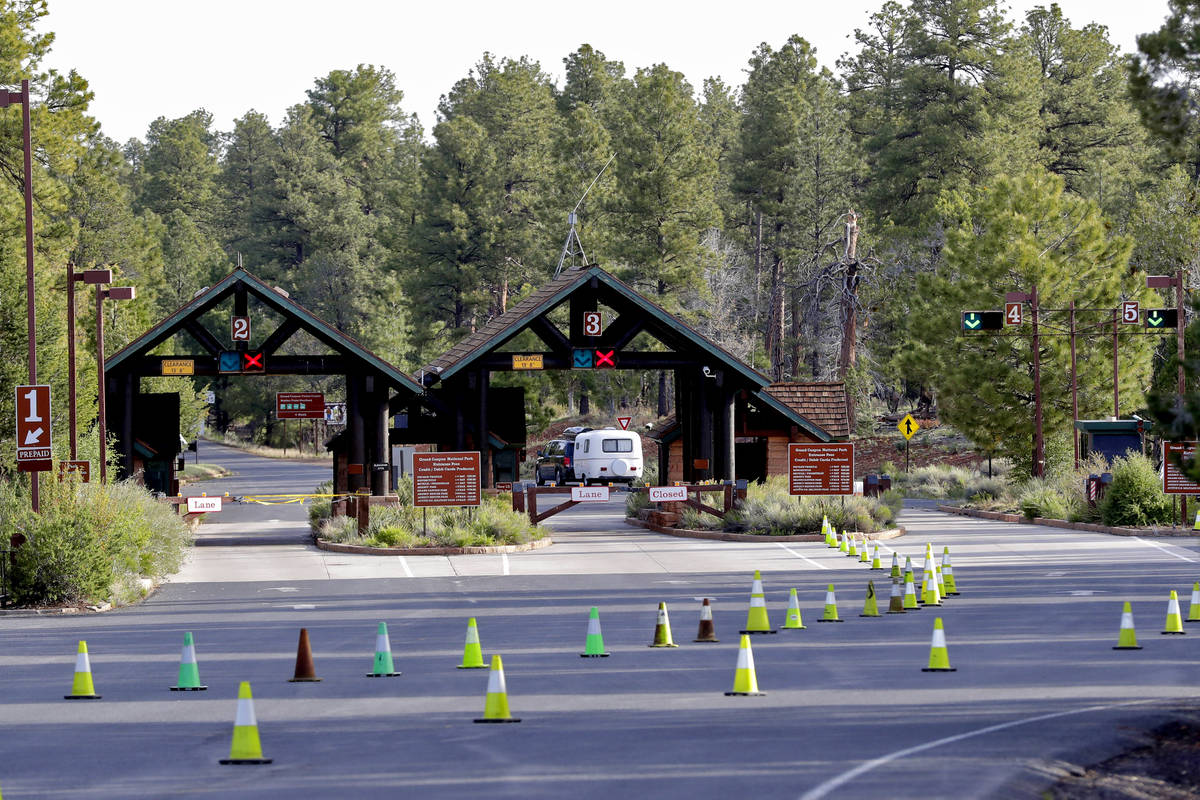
972	321
1154	319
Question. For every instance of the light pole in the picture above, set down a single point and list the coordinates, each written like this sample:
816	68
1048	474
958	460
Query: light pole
115	293
92	277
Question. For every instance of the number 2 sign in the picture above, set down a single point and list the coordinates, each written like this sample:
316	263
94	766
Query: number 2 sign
241	329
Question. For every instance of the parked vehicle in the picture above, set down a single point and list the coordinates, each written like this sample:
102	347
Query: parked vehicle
554	462
607	455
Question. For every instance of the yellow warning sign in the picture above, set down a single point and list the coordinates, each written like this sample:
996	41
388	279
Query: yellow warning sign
908	426
178	366
529	361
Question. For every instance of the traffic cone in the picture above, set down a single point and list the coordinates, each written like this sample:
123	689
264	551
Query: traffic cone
852	552
593	647
794	622
81	686
756	617
472	652
871	606
863	556
305	671
1127	638
745	683
189	672
896	603
875	563
910	593
948	572
706	631
1196	525
495	709
245	747
383	667
831	614
939	659
662	629
896	565
1194	608
1174	624
941	581
929	586
845	545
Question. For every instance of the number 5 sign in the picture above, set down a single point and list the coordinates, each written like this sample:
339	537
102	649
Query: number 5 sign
33	428
1130	314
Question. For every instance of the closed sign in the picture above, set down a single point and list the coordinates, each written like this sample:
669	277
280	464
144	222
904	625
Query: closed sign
589	494
668	494
203	505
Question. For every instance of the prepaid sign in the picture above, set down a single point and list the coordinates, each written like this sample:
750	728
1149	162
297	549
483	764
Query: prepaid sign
821	468
446	479
33	428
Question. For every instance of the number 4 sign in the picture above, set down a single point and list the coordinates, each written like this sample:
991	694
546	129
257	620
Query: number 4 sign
1013	314
33	428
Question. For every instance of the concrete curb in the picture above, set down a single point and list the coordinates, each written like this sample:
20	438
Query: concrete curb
363	550
721	536
1062	523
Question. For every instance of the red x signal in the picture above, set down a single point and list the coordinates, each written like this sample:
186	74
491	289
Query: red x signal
253	362
605	360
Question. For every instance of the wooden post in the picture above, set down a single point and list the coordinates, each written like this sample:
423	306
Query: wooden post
1074	393
379	437
485	449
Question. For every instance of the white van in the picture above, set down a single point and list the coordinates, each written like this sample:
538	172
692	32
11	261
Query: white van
608	455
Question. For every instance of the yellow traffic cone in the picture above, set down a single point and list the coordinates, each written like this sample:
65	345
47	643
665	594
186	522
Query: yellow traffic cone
1194	608
831	613
845	545
662	630
745	683
1196	525
245	747
495	709
896	602
472	649
896	565
1174	626
941	581
81	686
871	606
939	658
875	563
706	632
852	551
863	557
929	587
756	618
948	572
1127	638
910	593
793	622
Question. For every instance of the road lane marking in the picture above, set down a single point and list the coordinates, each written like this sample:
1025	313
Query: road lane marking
404	566
1165	550
816	564
836	782
504	563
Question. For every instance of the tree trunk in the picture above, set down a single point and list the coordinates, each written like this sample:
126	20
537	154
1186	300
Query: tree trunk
775	321
848	355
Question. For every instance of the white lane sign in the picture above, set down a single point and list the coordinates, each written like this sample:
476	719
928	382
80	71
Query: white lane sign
589	494
668	494
33	428
203	505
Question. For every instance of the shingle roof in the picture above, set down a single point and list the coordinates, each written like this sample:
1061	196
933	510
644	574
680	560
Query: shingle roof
823	404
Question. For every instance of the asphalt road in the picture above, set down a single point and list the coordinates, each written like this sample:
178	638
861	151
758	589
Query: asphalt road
848	711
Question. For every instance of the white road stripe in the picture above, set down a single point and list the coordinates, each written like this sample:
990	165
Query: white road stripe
806	558
504	563
836	782
1165	550
404	566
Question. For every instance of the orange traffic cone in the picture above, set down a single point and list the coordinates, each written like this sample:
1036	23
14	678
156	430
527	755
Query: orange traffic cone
706	632
305	672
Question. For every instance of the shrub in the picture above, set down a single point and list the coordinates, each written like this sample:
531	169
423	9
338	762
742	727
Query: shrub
1135	497
1041	500
769	509
635	502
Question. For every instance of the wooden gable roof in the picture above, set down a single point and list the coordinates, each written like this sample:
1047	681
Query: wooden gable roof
824	404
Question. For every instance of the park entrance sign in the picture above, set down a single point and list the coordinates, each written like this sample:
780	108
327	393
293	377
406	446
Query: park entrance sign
446	479
1174	481
821	468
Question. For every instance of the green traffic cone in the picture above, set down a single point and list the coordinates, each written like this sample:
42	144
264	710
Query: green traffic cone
189	672
384	668
594	646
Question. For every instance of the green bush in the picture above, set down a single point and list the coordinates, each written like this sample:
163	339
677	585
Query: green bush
1042	500
1135	497
635	502
769	509
90	542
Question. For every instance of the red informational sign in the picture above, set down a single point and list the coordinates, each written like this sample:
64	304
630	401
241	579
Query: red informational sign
300	405
593	323
624	422
1013	313
33	428
81	468
503	486
446	479
240	329
1130	312
1174	481
821	468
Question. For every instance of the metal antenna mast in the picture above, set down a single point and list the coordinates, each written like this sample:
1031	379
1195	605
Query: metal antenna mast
573	246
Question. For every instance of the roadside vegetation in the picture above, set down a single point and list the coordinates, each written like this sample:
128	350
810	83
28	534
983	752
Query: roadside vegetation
202	472
403	525
91	543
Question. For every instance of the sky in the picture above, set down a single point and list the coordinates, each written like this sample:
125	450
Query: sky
149	58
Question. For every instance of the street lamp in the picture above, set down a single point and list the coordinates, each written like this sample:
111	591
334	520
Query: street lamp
115	293
91	277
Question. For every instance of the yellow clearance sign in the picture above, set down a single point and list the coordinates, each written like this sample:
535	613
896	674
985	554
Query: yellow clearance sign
531	361
178	366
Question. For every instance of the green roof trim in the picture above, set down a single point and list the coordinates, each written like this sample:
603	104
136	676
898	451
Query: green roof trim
211	296
787	412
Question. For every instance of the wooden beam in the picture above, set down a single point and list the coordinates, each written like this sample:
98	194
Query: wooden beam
203	336
281	334
549	333
627	326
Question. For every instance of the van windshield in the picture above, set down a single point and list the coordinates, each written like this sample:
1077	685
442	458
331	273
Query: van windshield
617	445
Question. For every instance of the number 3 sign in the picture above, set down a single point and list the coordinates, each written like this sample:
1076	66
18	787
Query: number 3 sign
593	323
241	329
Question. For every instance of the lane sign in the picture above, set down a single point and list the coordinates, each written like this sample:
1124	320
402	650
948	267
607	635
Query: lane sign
668	494
240	329
527	361
821	468
203	505
589	494
624	422
300	405
1157	318
254	361
593	323
606	359
1014	313
1130	312
982	320
33	428
178	366
908	426
581	359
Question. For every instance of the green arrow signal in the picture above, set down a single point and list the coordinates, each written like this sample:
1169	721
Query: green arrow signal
972	321
1154	319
